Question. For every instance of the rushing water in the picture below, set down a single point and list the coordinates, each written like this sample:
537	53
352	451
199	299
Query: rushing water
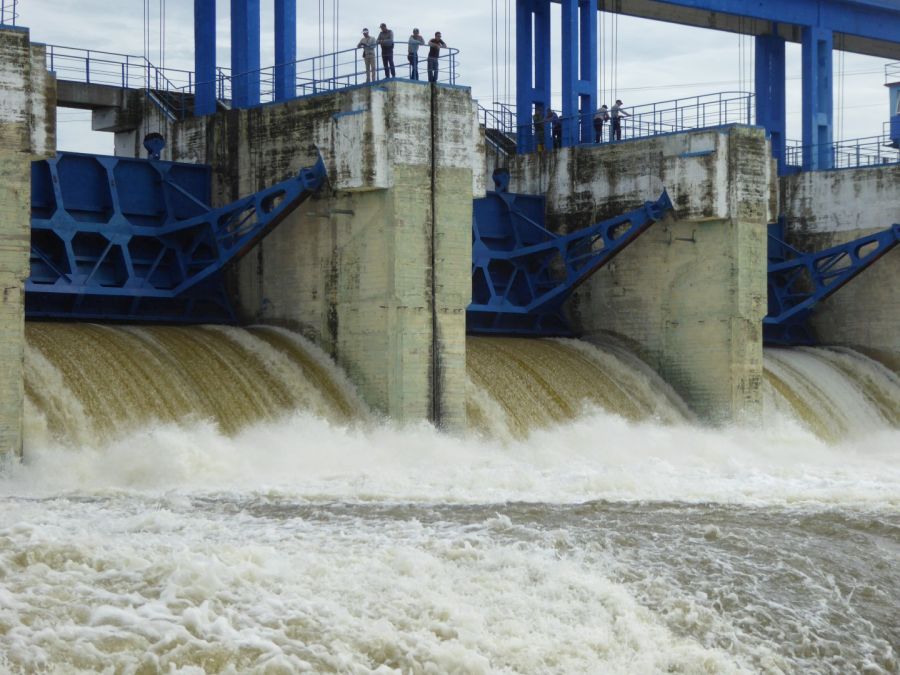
588	526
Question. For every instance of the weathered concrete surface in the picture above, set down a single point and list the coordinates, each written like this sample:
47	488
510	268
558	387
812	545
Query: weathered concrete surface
27	132
689	294
826	208
377	268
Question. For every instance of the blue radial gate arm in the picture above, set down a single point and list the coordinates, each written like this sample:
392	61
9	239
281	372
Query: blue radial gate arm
522	273
129	239
798	281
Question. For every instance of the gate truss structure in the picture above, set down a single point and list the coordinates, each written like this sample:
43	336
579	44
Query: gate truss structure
798	281
522	273
125	239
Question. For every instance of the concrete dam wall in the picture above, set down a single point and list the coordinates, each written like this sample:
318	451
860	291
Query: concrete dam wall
376	269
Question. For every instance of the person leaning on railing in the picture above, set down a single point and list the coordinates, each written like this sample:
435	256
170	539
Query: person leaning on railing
435	45
415	41
617	113
367	43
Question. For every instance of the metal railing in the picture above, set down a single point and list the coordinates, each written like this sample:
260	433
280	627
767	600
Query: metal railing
892	72
642	121
8	12
174	89
849	154
118	70
338	70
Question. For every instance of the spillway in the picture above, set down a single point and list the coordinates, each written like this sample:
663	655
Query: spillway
89	383
86	382
834	392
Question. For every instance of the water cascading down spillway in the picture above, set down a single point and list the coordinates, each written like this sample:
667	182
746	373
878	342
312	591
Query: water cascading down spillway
88	384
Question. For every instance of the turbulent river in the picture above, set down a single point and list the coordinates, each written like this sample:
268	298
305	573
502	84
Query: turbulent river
213	500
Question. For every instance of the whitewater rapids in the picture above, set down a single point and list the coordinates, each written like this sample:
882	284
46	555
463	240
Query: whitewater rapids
619	537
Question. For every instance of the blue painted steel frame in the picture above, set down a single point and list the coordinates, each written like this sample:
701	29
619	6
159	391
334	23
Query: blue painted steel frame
522	273
798	281
818	19
128	239
818	98
532	69
579	70
205	56
285	49
771	98
245	53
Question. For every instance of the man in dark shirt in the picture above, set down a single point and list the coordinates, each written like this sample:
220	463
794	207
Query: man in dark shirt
386	42
434	52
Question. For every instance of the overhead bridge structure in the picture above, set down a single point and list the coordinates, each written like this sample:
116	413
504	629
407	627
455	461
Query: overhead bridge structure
869	27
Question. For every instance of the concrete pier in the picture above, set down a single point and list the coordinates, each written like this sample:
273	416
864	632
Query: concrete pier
827	208
27	133
377	269
690	293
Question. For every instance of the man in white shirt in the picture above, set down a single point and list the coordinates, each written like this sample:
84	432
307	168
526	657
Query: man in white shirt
367	42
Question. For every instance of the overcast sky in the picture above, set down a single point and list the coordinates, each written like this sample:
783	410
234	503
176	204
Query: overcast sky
655	61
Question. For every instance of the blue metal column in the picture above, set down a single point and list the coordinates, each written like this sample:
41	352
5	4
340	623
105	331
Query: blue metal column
590	76
524	81
818	104
771	111
205	57
532	68
285	49
579	69
245	53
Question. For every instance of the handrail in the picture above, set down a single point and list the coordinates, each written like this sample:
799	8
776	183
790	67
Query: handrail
8	13
892	72
330	72
853	153
312	75
651	119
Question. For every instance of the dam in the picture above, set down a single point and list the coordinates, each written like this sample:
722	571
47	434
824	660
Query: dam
311	373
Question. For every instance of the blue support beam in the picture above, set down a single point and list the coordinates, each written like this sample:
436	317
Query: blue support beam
245	53
127	239
798	281
205	56
872	19
771	110
579	70
522	273
285	49
533	58
818	102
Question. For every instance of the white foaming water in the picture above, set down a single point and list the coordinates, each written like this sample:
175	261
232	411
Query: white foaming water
598	545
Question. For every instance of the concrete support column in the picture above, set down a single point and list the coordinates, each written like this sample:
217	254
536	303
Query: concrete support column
27	132
285	49
579	70
245	53
532	68
205	56
771	111
818	102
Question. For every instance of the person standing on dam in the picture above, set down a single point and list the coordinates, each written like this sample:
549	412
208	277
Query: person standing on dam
435	45
386	42
617	113
367	42
601	116
415	41
538	119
